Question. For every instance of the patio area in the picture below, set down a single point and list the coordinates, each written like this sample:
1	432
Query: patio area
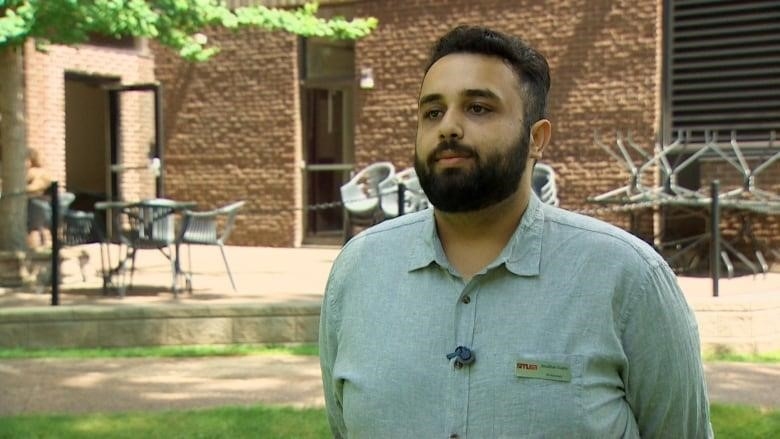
278	295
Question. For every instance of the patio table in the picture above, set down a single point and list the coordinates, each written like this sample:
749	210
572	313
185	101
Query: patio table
139	225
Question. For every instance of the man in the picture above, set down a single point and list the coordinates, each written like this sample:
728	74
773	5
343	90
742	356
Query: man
493	315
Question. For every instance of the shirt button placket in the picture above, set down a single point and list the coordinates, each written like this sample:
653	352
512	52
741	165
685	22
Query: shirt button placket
464	328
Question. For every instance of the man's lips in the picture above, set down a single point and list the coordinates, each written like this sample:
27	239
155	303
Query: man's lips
449	156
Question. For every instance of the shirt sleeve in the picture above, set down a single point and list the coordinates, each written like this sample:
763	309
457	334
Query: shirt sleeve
665	384
328	343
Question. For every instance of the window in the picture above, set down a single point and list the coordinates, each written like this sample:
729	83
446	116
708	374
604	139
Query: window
723	67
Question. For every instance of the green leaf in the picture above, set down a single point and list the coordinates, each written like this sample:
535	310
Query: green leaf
174	23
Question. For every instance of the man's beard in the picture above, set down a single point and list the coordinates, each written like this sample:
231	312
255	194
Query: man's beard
492	179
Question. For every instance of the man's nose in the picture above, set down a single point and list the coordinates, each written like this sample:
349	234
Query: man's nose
451	126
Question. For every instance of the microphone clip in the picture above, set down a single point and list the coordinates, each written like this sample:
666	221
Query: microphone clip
463	354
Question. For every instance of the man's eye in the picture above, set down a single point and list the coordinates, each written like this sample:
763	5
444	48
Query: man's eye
433	114
478	109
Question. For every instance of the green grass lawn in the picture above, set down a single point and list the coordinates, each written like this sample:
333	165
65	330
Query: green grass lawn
737	422
741	422
767	357
226	422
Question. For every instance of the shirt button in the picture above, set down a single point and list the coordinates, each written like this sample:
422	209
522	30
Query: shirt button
466	299
454	436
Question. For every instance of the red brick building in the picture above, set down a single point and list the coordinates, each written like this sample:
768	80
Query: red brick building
68	114
279	121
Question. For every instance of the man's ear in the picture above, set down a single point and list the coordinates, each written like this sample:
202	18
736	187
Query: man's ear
540	137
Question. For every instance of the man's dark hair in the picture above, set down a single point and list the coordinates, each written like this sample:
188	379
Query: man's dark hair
531	67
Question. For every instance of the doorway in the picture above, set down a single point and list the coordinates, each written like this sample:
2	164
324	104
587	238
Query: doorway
87	161
328	126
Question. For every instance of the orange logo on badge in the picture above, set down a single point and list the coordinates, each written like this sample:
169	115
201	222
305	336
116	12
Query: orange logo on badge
527	366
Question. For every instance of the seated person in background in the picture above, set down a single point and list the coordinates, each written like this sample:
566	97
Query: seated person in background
38	179
38	214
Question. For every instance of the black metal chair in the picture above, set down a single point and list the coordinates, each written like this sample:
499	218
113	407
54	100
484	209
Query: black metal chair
211	227
80	228
150	226
39	212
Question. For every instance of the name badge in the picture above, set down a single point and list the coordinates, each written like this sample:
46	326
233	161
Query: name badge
543	370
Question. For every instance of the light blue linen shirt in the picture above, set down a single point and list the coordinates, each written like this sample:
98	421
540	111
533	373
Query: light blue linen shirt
567	293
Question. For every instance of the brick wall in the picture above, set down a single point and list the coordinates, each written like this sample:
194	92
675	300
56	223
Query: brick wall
232	127
233	124
45	96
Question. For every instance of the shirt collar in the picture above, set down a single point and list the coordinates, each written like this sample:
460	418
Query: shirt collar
423	251
523	253
521	256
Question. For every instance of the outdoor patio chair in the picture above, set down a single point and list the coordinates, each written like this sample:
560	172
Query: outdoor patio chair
414	197
361	195
150	226
212	227
39	210
543	183
80	228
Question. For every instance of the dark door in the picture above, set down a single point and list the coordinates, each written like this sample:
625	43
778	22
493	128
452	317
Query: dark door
328	81
326	155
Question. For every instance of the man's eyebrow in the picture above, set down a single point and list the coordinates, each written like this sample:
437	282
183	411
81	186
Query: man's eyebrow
479	93
430	98
468	93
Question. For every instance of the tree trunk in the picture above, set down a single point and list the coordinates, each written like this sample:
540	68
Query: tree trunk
13	141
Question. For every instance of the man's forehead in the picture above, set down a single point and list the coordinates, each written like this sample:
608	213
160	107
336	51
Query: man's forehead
456	74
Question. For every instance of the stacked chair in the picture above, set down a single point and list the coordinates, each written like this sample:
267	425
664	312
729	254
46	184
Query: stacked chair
361	195
543	183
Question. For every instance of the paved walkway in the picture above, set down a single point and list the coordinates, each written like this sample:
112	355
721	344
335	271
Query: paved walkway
274	275
140	384
262	275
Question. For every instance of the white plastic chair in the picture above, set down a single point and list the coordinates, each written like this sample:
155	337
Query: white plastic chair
361	194
414	197
543	183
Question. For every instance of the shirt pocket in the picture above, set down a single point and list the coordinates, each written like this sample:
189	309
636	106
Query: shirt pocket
528	404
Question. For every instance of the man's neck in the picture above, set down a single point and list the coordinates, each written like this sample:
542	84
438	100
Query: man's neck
471	240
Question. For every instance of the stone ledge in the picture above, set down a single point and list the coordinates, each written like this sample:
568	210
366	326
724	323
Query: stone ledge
88	312
154	326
